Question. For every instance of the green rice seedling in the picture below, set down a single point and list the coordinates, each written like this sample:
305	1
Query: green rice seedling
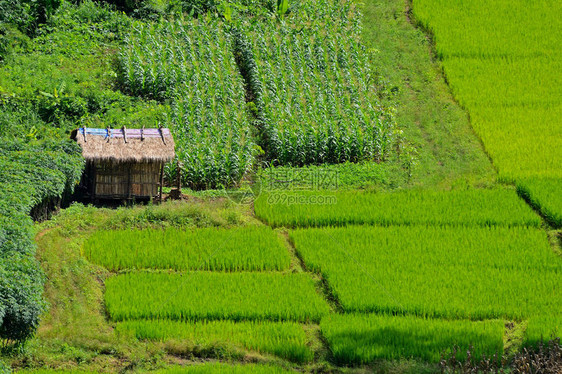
465	208
524	142
284	339
541	329
246	248
204	295
212	368
363	338
546	195
502	59
452	272
484	29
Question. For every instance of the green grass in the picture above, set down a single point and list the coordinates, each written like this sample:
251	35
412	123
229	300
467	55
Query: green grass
203	295
324	208
193	369
452	272
363	338
54	371
284	339
447	153
236	249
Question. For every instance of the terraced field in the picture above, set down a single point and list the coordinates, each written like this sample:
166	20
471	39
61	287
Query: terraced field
299	279
502	60
263	310
453	273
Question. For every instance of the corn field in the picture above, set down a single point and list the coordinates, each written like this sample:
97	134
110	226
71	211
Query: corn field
315	97
189	63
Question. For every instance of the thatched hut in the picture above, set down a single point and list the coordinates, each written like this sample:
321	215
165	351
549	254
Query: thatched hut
124	163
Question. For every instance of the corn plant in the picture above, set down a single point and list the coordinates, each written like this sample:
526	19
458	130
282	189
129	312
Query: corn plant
190	64
314	93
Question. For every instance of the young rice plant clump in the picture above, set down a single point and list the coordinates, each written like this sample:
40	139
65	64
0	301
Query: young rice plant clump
237	249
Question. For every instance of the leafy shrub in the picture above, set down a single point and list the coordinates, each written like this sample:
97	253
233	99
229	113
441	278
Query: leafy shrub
31	174
21	286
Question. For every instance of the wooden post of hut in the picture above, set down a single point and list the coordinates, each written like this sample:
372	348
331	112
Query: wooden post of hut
124	163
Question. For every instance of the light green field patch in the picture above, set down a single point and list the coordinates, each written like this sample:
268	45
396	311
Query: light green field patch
333	208
203	295
236	249
363	338
284	339
453	272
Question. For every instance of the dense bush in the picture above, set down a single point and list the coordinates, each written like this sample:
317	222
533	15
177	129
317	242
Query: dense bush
32	174
63	77
27	15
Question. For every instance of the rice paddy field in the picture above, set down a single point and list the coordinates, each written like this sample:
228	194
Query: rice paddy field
238	249
502	61
362	338
389	278
335	208
541	329
285	339
203	295
447	278
436	272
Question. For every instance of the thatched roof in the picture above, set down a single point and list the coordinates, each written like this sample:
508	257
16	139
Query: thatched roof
125	145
